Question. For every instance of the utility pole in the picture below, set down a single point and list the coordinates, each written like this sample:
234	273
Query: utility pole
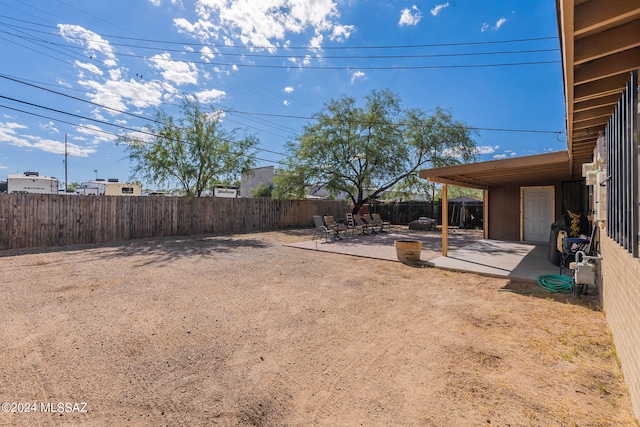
66	157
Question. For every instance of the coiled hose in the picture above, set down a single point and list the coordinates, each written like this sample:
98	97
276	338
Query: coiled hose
555	283
549	283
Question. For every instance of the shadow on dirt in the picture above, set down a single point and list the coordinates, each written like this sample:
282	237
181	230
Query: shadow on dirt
589	300
158	249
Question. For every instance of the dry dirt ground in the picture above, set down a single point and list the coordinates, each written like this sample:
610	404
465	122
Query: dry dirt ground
241	330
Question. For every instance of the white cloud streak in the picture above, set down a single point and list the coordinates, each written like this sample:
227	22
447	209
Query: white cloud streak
436	10
175	71
357	75
410	17
9	134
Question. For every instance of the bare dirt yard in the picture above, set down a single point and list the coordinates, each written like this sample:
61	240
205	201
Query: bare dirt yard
241	330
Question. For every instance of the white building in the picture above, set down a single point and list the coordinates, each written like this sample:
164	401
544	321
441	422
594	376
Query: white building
252	178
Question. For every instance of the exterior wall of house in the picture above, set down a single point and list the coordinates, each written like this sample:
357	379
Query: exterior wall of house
253	178
504	210
620	294
504	213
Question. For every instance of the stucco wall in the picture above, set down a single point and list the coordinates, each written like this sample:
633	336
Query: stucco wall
620	293
253	178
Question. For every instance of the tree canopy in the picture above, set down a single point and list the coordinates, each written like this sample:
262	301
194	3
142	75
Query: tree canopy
192	151
363	151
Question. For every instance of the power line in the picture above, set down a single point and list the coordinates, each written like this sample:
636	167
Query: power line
230	46
226	111
3	76
265	55
344	68
116	135
140	131
222	109
287	116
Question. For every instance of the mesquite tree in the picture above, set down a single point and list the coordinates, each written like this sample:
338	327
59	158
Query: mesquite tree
365	151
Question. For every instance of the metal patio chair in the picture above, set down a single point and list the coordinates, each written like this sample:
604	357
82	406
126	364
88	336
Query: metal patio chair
351	224
322	230
338	228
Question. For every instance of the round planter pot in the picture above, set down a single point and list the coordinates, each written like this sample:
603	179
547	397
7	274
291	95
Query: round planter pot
408	250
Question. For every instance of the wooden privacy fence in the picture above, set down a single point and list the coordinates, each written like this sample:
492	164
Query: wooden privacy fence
36	220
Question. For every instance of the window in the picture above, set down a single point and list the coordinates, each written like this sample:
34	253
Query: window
623	185
127	190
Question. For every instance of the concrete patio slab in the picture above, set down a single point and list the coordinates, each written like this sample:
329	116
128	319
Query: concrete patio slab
512	260
381	245
467	252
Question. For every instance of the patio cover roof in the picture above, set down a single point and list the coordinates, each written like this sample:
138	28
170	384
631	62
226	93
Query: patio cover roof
600	45
526	170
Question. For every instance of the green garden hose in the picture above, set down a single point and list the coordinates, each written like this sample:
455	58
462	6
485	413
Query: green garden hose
555	283
549	283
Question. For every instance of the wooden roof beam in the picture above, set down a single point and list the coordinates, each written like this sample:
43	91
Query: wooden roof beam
595	103
598	15
594	113
607	42
591	124
618	63
441	180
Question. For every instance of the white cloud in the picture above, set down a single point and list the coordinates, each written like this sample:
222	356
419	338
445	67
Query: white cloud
207	54
93	42
9	135
288	89
155	2
316	42
118	94
436	10
499	23
500	156
175	71
285	103
95	134
210	95
410	16
89	67
49	127
342	32
4	167
357	75
300	63
486	149
263	24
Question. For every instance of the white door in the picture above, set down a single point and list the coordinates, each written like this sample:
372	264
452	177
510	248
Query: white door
537	213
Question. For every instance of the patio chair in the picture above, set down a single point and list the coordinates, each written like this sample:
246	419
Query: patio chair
366	227
351	225
332	225
376	217
376	221
322	230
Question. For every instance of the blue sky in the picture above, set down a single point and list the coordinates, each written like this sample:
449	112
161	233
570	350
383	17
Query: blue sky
269	65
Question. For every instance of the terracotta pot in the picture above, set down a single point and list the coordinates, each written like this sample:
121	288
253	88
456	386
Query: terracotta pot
408	250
